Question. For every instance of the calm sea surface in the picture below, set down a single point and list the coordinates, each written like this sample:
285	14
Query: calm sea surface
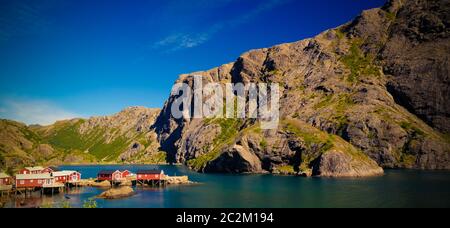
397	188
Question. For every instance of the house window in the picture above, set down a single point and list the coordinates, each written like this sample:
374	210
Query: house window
22	182
31	181
39	181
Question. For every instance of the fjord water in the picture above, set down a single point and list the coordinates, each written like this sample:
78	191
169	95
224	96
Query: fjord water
397	188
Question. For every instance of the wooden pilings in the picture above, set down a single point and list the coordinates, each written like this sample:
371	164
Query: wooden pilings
5	190
153	183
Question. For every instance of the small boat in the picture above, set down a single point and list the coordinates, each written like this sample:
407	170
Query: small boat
67	197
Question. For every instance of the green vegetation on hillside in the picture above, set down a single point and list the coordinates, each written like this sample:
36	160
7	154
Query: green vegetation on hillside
413	130
309	135
339	105
285	169
68	138
109	151
319	142
391	15
359	63
103	140
340	35
229	130
263	144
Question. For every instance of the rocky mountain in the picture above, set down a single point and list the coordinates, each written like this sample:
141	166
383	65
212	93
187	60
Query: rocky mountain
124	137
369	94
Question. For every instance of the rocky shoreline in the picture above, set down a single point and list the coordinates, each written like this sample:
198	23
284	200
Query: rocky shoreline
124	189
171	180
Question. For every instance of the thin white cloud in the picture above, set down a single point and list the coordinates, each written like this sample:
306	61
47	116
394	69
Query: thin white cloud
178	41
33	111
181	41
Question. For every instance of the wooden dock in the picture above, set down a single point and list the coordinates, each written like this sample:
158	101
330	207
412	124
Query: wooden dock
153	183
6	190
154	178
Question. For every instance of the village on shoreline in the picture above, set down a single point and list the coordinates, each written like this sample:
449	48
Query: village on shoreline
51	181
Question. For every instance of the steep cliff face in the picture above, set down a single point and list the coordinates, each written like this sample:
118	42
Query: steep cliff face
416	57
123	137
353	98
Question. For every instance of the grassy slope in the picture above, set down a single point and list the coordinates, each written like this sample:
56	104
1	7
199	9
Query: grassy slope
69	146
66	136
229	131
319	142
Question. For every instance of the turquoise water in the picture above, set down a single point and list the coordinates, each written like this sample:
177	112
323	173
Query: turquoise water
397	188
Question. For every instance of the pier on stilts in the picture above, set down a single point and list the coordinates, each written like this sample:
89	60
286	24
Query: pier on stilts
153	183
45	180
6	182
53	188
5	190
154	178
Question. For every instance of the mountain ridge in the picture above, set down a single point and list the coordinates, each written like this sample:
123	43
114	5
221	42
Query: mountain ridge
367	95
124	137
348	82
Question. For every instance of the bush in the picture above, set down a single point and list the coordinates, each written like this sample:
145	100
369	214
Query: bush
90	203
65	204
263	143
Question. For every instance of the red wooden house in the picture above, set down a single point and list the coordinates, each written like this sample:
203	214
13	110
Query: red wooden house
125	174
34	180
36	170
109	175
32	170
149	175
48	170
5	179
112	175
67	176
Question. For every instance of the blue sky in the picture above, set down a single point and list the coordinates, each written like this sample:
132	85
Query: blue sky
78	58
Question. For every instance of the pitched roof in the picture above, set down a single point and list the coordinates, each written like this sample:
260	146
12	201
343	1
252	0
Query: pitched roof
107	172
148	171
35	168
54	168
33	176
63	173
4	175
